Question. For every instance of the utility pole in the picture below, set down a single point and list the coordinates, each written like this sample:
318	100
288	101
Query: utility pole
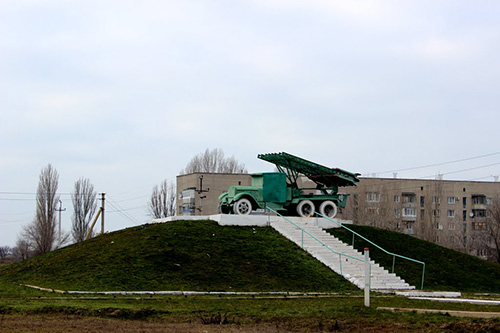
367	277
60	210
200	192
102	213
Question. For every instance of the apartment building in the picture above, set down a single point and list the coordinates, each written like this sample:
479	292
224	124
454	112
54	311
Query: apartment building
454	214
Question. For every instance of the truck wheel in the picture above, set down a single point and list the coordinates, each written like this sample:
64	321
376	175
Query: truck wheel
223	209
328	208
242	207
305	208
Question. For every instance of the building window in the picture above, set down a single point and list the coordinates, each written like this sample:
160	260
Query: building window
435	200
435	213
489	201
482	252
479	213
451	200
372	197
188	205
409	225
422	214
397	198
396	212
479	226
409	212
464	201
422	201
451	226
372	211
478	199
451	213
408	197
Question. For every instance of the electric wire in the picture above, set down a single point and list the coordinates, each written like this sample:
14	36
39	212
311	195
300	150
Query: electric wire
439	164
120	210
464	170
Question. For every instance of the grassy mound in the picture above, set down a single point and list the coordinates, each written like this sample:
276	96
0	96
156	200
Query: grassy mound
203	256
445	269
182	255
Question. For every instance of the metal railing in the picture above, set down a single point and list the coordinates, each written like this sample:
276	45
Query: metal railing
313	237
394	255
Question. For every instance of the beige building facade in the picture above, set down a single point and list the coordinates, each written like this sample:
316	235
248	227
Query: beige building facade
198	193
454	214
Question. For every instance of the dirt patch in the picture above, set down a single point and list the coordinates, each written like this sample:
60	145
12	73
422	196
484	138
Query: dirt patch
70	323
64	323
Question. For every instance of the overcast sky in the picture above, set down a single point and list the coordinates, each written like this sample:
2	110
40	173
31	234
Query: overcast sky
126	92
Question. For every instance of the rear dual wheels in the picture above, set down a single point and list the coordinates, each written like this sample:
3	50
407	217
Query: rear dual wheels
328	208
306	208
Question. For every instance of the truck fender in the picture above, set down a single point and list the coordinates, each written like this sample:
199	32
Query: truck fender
238	196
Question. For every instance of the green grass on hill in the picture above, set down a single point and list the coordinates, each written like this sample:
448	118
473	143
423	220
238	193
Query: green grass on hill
445	269
190	256
203	256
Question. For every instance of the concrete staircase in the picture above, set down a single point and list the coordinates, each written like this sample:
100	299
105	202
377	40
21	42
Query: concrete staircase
352	269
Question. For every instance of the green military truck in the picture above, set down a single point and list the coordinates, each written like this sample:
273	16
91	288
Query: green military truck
281	191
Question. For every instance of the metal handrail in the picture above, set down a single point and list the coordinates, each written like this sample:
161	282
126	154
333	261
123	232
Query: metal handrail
322	243
394	255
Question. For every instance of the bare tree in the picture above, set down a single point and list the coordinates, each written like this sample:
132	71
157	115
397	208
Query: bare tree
162	203
233	166
84	200
4	251
213	161
23	249
42	231
493	229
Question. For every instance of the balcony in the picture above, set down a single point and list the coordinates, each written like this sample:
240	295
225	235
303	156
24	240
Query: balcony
479	201
409	218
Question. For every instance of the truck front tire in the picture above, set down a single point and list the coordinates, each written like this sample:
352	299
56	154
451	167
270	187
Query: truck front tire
223	209
242	207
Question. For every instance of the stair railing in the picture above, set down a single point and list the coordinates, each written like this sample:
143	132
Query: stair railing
315	238
394	255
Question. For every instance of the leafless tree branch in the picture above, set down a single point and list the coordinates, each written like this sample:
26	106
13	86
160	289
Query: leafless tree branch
213	161
163	200
84	200
41	233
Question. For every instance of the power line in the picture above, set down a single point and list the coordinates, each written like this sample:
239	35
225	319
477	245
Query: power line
10	214
442	163
13	199
464	170
124	210
13	221
121	211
